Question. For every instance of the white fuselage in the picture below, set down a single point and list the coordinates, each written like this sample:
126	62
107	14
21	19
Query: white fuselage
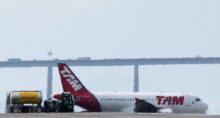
125	102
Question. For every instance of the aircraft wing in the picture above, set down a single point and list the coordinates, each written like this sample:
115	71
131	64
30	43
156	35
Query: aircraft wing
143	106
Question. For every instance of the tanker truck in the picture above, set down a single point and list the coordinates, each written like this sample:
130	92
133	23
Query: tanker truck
23	101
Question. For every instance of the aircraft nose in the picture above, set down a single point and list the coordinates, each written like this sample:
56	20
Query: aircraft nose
205	106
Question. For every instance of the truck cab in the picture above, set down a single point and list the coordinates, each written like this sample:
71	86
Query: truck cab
66	102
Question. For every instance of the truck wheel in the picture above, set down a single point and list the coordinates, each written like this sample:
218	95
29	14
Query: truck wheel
11	110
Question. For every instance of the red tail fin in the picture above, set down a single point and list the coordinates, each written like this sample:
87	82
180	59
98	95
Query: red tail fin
70	82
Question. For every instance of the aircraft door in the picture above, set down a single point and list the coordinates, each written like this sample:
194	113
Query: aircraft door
187	100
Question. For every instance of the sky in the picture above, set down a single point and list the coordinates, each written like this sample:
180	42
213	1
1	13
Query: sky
113	29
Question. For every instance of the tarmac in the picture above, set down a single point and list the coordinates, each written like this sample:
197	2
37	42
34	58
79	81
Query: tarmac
102	115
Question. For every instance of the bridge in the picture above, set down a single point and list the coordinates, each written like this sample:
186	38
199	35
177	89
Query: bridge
106	62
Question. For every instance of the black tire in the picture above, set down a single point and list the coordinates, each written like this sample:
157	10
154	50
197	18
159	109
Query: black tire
11	109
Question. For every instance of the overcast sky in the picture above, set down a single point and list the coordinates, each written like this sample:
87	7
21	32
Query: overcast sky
113	29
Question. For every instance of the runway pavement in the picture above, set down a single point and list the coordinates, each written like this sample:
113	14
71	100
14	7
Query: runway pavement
101	115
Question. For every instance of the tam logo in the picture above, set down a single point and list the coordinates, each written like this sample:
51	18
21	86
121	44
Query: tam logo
170	100
71	79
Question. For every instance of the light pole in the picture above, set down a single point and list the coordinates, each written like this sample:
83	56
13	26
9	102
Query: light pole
49	78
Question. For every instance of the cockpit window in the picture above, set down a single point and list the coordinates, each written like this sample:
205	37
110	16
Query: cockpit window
198	99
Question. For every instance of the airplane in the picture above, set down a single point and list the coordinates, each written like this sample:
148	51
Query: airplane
128	101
